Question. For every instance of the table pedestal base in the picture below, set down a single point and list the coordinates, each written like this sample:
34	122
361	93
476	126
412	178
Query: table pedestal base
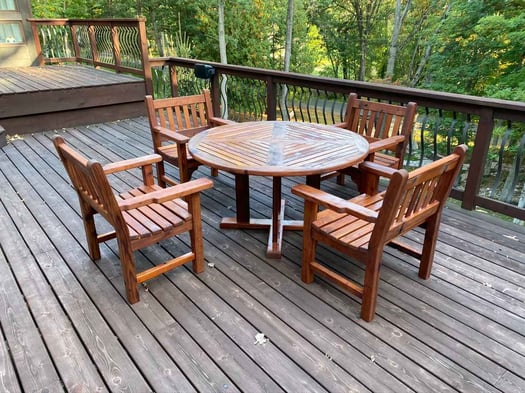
275	237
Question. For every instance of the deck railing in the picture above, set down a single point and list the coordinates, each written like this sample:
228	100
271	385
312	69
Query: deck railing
492	178
117	44
494	174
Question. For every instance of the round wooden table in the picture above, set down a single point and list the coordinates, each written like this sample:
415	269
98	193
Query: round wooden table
277	149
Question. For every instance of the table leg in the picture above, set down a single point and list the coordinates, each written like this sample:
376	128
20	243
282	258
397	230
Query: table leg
314	181
242	219
275	237
276	225
242	197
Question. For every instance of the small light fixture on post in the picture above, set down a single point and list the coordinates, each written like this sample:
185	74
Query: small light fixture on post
204	71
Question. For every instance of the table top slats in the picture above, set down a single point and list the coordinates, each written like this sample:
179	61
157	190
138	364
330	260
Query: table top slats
278	148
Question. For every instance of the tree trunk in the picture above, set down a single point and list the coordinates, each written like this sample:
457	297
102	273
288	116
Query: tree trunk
287	57
414	81
366	12
399	18
224	59
156	33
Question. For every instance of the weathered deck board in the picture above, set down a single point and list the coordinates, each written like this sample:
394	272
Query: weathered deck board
42	98
26	79
462	330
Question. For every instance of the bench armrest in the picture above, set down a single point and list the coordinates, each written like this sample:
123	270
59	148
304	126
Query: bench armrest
387	143
171	135
125	165
166	194
372	168
218	121
333	202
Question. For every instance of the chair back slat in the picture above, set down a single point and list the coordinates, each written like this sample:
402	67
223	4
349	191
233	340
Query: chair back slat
184	116
419	194
376	119
89	181
181	113
379	120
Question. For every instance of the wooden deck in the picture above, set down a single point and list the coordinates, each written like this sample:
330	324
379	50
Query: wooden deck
65	324
43	98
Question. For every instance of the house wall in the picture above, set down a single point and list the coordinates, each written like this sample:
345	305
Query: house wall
17	47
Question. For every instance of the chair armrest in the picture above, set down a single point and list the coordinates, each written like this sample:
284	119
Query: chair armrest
369	167
333	202
340	125
218	121
387	143
125	165
166	194
172	135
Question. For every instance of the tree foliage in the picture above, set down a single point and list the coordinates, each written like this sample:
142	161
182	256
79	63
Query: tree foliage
464	46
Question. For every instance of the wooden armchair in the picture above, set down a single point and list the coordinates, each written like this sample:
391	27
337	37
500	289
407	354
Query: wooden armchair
173	121
361	227
140	217
387	128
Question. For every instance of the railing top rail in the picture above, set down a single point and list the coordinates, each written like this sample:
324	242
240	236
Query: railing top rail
74	21
513	110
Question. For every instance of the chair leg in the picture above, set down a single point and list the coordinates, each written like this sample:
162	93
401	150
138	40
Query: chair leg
161	174
129	272
88	214
429	247
214	172
341	179
309	243
185	173
370	288
194	207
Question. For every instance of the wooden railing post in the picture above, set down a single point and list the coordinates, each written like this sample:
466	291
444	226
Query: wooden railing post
93	44
74	38
216	93
174	81
144	56
38	46
478	158
115	47
271	99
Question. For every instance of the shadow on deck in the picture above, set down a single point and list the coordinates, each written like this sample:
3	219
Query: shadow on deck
65	323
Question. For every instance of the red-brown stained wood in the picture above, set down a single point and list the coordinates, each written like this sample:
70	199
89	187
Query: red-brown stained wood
176	119
277	149
141	217
427	335
409	201
387	127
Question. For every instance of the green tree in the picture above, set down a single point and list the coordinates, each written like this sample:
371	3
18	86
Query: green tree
354	35
480	50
